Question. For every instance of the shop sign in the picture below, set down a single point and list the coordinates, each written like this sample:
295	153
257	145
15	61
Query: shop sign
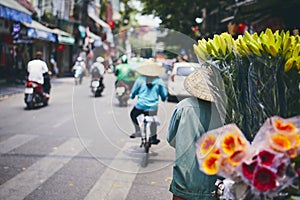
66	39
38	34
16	30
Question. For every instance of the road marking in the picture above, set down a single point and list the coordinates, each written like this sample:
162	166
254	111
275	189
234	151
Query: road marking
27	181
61	122
14	142
117	183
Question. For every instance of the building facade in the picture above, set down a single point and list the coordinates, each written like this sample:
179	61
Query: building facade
61	29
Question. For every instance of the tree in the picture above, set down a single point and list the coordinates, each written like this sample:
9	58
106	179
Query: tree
177	14
173	14
180	15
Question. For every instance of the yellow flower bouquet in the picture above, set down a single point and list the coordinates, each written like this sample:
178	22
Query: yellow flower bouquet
268	167
260	73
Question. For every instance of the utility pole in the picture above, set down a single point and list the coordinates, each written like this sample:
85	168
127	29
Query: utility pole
85	12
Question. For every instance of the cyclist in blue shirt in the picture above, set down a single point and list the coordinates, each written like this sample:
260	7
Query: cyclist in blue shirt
148	87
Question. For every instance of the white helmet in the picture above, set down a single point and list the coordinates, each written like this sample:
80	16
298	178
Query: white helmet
124	59
100	59
79	59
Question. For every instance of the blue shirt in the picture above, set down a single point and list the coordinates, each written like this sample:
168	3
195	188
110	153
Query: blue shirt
148	97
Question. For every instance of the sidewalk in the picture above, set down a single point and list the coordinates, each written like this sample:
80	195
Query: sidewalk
8	89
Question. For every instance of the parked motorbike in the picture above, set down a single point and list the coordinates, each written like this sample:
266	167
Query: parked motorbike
34	95
122	92
97	86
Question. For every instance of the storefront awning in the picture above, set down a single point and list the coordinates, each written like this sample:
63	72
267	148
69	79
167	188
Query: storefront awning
64	37
99	21
39	31
12	10
106	27
93	16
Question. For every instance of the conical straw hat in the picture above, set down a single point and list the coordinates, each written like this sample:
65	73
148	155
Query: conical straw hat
198	86
149	68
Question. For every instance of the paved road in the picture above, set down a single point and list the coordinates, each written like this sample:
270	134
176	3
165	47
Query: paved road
9	89
78	147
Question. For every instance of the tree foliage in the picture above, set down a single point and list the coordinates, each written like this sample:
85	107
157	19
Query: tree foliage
180	15
177	14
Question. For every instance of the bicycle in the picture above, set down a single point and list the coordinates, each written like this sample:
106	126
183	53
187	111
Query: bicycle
148	126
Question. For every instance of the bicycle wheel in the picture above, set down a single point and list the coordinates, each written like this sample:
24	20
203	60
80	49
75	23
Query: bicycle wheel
145	160
146	155
147	147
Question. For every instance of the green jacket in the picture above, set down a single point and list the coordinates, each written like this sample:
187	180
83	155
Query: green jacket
125	73
191	118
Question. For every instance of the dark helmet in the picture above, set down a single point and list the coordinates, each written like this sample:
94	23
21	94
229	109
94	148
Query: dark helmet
39	54
124	59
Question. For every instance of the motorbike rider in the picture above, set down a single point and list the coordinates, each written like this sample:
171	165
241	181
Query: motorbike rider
125	74
148	87
38	72
98	69
79	67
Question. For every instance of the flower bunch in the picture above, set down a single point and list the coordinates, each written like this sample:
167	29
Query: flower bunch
260	73
265	170
267	44
268	165
221	150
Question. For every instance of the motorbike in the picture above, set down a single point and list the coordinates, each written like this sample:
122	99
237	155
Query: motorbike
34	95
122	92
97	86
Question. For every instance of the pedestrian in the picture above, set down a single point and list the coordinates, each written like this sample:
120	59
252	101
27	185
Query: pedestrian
148	87
192	117
55	70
